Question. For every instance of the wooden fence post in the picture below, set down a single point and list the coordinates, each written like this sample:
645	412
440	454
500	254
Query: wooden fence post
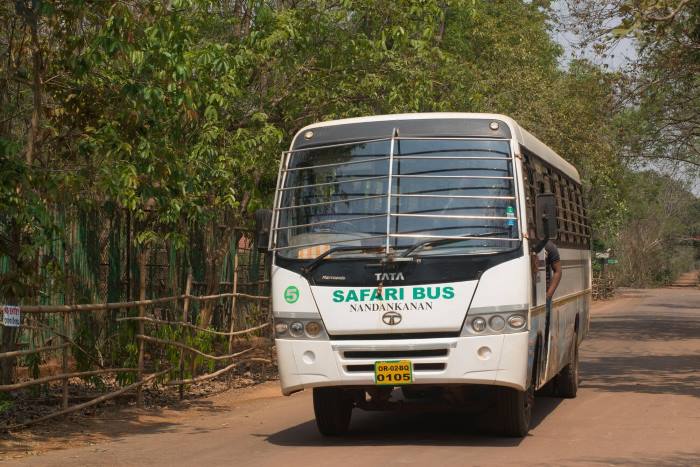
143	258
66	356
233	298
185	312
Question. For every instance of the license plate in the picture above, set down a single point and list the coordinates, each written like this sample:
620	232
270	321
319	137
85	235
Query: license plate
393	372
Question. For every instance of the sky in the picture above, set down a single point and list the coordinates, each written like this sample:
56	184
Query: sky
618	57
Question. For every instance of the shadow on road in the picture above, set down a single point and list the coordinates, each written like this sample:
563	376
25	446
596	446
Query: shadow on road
412	428
623	353
671	374
673	460
645	327
109	425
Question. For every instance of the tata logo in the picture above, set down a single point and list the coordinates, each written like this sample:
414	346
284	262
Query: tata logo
391	318
389	276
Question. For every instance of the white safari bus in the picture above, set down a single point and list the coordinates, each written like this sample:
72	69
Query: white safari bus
405	266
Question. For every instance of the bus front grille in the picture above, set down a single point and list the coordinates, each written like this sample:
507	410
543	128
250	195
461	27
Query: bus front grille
365	354
416	367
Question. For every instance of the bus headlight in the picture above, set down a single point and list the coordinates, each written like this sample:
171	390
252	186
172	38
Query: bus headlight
296	328
516	321
497	323
313	328
478	324
281	329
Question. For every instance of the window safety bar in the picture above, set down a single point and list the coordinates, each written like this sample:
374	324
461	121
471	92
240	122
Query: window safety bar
338	182
470	158
333	221
458	150
407	195
337	145
484	177
322	203
337	164
332	242
455	138
453	216
451	237
394	134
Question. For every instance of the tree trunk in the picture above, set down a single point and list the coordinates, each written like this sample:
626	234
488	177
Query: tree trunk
143	261
32	18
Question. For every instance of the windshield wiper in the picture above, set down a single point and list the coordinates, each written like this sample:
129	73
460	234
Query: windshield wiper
443	241
319	259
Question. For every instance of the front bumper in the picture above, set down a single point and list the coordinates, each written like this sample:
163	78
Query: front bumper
498	360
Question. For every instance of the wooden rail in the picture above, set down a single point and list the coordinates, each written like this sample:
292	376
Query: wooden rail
90	403
155	340
19	353
192	326
63	376
66	344
216	373
133	304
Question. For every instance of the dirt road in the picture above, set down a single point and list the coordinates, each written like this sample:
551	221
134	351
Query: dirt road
639	405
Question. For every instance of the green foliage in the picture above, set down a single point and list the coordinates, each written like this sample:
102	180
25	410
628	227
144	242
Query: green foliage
175	113
6	403
661	213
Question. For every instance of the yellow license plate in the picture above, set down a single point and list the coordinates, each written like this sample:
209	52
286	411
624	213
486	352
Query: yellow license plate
393	372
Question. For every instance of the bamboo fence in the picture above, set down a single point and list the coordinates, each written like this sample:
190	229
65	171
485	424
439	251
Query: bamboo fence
603	287
150	369
142	339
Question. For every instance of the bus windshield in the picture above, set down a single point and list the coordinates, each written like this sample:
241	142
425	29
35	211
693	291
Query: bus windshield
435	192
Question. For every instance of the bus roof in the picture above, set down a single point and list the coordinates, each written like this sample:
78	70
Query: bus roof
525	138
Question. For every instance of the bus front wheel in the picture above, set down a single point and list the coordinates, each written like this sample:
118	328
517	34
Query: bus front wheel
332	408
515	410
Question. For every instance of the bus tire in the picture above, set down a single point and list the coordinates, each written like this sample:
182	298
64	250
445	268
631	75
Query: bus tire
515	410
567	379
332	408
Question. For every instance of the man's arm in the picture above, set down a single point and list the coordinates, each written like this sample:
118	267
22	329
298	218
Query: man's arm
556	277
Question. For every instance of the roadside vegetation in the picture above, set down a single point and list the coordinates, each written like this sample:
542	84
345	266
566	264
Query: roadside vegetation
170	117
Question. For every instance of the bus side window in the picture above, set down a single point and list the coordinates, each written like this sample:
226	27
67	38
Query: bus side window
530	189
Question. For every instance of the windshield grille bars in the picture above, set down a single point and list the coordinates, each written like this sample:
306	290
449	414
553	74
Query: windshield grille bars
333	221
350	180
453	216
407	195
437	151
448	138
349	200
272	242
394	134
452	237
487	158
360	238
387	239
349	143
485	177
336	164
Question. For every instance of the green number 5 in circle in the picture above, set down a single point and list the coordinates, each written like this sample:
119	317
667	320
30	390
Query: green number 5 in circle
291	294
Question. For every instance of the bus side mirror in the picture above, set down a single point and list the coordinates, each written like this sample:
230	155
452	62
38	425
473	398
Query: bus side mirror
546	212
263	224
